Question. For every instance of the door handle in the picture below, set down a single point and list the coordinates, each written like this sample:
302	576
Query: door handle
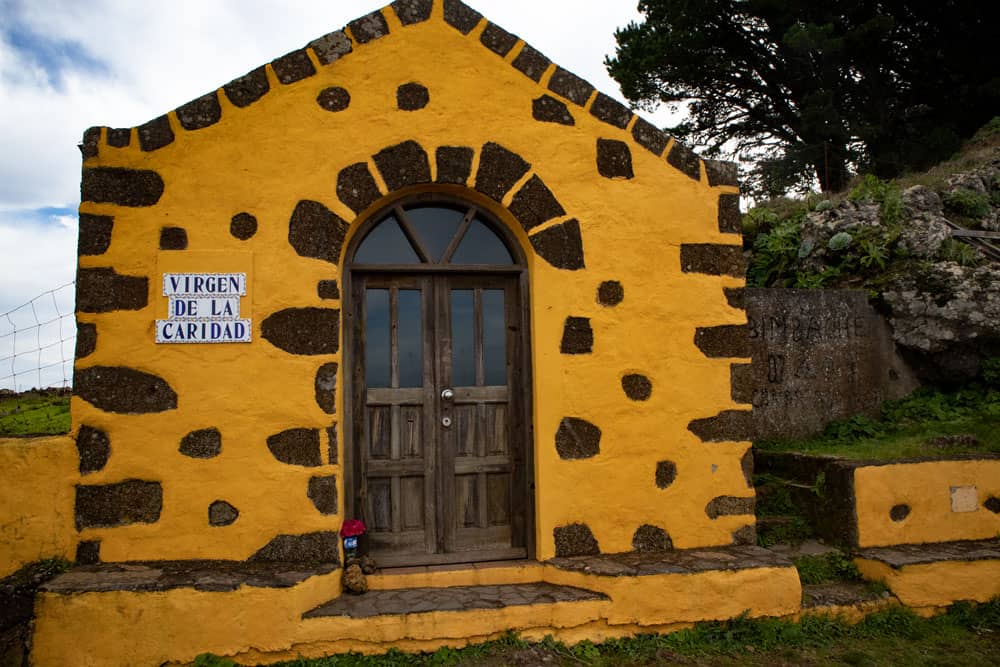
447	394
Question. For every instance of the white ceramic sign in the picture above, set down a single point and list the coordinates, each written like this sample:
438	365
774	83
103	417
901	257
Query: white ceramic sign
204	308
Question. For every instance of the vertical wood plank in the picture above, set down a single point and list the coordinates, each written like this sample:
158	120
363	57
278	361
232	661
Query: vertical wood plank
394	336
397	510
477	336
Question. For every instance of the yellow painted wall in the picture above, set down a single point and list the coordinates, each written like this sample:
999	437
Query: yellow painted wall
936	584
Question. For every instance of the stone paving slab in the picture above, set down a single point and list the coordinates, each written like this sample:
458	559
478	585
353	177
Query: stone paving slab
455	598
918	554
685	561
840	594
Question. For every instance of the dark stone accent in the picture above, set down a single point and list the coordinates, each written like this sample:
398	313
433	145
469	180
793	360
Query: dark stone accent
94	449
992	504
610	293
666	473
570	86
319	547
91	139
316	231
726	340
247	89
402	165
123	390
303	330
614	159
903	555
221	513
173	238
412	11
108	505
155	134
747	535
637	387
95	234
727	425
550	110
101	290
575	540
497	40
327	289
499	170
578	337
243	226
735	297
680	561
323	494
721	172
716	259
86	339
331	47
356	187
460	16
412	96
531	63
560	245
610	111
204	443
369	27
88	552
728	506
296	446
119	137
201	112
741	382
577	439
899	512
454	164
534	204
121	186
326	387
649	538
331	441
685	160
746	465
730	220
293	66
334	98
649	136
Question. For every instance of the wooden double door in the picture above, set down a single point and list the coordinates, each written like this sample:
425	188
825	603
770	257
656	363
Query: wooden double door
439	470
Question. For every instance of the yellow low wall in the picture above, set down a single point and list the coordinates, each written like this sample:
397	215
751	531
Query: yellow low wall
936	584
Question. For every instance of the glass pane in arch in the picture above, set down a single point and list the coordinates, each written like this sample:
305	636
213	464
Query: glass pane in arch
481	245
386	244
436	226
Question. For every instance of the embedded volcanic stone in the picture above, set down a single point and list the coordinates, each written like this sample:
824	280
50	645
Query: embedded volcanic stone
577	439
460	16
243	226
651	538
173	238
992	504
578	337
88	552
334	98
155	134
610	111
685	160
93	447
412	96
550	110
319	547
575	540
121	186
331	46
247	89
201	112
666	473
497	40
296	446
369	27
454	164
107	505
899	512
570	86
86	339
560	245
204	443
356	187
741	382
326	387
728	506
323	494
721	172
293	66
716	259
531	63
726	340
402	165
119	137
91	139
331	437
637	387
316	231
101	290
123	390
649	136
614	159
610	293
412	11
327	289
499	170
730	220
728	425
303	330
534	204
735	297
95	234
221	513
747	535
746	465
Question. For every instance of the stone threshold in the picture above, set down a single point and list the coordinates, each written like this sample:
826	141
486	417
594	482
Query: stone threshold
683	561
901	555
840	594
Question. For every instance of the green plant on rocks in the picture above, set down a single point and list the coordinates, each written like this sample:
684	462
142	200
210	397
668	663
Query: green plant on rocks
968	203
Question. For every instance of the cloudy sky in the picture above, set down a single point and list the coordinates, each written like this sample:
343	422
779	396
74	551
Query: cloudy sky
66	65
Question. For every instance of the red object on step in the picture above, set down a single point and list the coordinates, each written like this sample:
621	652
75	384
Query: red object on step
352	528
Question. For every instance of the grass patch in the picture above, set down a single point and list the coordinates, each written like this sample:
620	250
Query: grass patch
828	568
34	413
779	519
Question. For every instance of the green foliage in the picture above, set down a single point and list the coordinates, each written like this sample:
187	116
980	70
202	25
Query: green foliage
886	194
991	372
775	252
825	569
210	660
967	202
840	241
34	413
962	254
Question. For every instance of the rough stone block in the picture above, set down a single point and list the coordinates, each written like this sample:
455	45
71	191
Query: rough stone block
173	238
356	187
560	245
578	337
243	226
412	96
727	340
614	159
318	547
531	63
205	443
637	387
109	505
296	446
369	27
611	111
403	165
316	231
95	234
497	40
734	425
333	99
200	113
729	506
684	160
460	16
326	387
86	339
577	439
499	170
221	513
102	290
569	85
649	538
123	390
550	110
93	447
323	494
649	136
575	539
155	134
535	204
331	47
303	330
247	89
121	186
454	164
715	259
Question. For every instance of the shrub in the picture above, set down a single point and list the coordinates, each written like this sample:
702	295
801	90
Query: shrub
967	202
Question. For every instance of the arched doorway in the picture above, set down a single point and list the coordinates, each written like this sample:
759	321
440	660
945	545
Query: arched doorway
438	367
